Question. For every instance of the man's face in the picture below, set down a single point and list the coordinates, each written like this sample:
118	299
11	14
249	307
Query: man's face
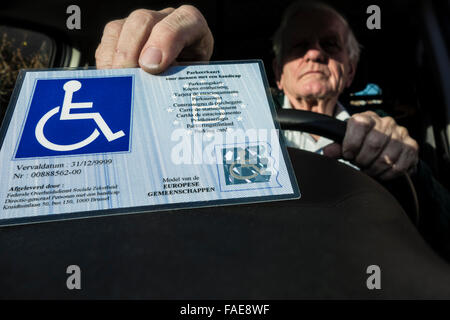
315	61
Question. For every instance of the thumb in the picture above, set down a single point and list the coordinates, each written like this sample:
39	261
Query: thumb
184	28
333	150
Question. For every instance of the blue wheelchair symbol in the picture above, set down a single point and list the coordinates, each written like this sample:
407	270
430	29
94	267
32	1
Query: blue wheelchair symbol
78	116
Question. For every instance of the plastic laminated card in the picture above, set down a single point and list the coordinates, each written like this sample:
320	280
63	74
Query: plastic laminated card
84	143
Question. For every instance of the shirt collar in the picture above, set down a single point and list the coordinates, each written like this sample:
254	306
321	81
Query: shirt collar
340	113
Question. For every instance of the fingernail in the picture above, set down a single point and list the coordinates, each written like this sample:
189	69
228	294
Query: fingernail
151	58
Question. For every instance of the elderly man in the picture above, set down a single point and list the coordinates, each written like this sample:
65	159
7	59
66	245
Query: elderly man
316	58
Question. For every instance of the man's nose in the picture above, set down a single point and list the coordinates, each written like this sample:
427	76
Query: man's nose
315	53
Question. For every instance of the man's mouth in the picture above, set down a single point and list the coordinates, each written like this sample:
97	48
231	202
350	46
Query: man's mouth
311	73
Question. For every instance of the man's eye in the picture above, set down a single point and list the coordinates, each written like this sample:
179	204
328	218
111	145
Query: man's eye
301	45
331	44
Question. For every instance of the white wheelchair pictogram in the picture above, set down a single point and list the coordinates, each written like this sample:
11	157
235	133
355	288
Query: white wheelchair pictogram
70	87
242	163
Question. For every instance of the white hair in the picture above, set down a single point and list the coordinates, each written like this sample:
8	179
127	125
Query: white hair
352	44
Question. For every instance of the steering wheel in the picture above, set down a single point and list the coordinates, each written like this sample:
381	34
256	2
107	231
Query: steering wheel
299	120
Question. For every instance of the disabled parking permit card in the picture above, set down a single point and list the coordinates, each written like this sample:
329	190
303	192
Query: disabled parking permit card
83	143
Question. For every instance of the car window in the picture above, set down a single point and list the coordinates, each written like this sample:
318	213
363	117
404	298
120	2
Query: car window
20	49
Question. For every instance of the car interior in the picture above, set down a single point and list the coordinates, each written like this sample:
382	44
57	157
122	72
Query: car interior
402	58
318	244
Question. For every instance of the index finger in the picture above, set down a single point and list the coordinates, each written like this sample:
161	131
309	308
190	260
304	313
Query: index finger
357	128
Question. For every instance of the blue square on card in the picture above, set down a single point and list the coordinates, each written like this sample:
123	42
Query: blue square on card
77	116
